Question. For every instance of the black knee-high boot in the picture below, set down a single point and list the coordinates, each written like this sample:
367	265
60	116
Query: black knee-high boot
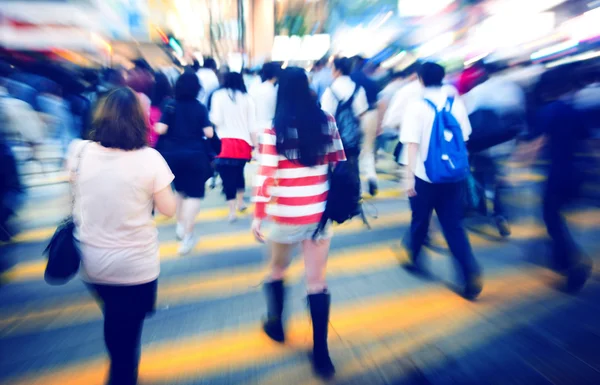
275	295
319	311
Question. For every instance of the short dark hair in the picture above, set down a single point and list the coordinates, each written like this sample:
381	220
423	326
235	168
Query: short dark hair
343	64
431	74
209	62
269	71
161	89
119	121
187	86
195	65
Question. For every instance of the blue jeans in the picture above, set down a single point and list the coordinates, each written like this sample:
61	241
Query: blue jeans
447	201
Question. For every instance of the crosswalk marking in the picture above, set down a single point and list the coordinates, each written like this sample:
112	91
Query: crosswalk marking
373	320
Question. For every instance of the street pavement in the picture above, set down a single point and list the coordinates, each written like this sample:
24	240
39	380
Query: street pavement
387	327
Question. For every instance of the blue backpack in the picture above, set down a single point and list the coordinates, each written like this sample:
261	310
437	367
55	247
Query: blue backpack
447	160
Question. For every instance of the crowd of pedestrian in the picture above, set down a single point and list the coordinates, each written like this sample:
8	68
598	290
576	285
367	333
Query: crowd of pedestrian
151	142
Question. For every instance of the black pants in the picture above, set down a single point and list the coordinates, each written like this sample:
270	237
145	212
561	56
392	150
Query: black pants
233	179
124	308
487	173
446	199
559	192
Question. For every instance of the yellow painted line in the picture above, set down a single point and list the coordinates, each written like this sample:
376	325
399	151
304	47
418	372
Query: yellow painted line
369	319
215	284
221	242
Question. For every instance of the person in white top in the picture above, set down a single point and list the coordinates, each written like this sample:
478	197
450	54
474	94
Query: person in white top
119	182
444	198
208	80
265	97
234	115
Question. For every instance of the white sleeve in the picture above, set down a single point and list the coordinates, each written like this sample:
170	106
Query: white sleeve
412	124
216	110
460	113
329	102
360	104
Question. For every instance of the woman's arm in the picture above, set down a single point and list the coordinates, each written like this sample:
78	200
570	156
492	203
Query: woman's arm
413	149
165	202
160	128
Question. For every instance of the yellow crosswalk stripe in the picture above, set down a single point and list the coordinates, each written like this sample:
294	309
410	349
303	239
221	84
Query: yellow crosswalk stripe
221	242
369	319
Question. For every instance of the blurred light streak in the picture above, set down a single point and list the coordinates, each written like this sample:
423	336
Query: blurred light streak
435	45
393	61
508	7
417	8
574	58
475	59
548	51
101	42
583	27
383	20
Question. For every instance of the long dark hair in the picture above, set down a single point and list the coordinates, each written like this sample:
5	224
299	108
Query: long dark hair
234	81
301	126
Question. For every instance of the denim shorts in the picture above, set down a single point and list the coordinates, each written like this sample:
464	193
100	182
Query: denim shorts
291	234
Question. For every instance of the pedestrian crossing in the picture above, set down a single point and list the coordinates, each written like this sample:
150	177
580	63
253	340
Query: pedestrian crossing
206	330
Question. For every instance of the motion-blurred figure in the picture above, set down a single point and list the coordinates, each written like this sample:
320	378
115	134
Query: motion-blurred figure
265	97
119	180
369	123
425	196
295	157
184	127
321	77
234	115
209	81
562	130
496	110
162	94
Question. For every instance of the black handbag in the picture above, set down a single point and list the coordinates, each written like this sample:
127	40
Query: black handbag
62	251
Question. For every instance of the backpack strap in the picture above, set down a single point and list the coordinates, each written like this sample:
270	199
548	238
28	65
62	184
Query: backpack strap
449	103
431	104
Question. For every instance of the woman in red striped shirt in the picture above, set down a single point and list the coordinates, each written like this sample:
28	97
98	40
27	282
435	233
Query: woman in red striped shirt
291	189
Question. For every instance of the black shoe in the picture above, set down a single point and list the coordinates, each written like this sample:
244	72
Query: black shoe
373	189
273	326
319	305
502	225
472	289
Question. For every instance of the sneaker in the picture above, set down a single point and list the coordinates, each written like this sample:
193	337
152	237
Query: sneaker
233	218
179	232
187	244
502	225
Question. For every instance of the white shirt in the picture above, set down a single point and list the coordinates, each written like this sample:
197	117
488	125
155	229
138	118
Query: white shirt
497	94
234	115
394	115
387	94
209	82
418	122
265	100
114	198
343	88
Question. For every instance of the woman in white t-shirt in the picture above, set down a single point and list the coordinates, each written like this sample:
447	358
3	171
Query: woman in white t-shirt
120	180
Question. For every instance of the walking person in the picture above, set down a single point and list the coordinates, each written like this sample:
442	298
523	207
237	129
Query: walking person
184	128
264	95
434	130
234	116
162	93
291	188
119	181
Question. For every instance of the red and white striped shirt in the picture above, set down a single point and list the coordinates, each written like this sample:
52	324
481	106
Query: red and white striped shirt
289	192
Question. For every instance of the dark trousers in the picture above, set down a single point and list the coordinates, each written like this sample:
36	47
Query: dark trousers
124	308
559	192
487	172
447	201
233	179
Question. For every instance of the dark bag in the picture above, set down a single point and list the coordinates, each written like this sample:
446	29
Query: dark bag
348	125
489	130
62	251
344	200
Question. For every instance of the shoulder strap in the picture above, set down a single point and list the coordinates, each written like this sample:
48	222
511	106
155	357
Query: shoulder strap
431	104
449	103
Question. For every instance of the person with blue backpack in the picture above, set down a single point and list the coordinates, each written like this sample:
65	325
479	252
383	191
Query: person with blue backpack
434	130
